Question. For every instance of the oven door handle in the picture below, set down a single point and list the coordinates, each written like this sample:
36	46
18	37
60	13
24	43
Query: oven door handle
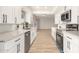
17	40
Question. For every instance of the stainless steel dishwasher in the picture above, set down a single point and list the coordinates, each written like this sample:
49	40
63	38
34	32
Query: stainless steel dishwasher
27	41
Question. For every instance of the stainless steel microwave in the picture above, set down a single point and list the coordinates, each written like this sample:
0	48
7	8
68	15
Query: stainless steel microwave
66	16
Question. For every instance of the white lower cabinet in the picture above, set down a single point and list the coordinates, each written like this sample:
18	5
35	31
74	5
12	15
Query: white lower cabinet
19	42
53	33
20	45
13	46
11	50
70	44
67	45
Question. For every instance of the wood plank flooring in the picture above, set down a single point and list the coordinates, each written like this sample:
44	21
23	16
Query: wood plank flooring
44	43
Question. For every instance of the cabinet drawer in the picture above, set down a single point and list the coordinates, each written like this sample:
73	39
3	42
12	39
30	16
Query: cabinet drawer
13	49
73	38
1	47
71	43
10	43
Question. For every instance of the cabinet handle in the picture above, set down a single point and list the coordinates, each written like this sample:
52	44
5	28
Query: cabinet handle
18	48
17	40
68	45
69	37
4	18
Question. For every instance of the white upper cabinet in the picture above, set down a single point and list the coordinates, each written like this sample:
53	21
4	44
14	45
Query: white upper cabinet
58	13
18	15
0	15
11	15
74	14
29	15
7	14
57	18
29	18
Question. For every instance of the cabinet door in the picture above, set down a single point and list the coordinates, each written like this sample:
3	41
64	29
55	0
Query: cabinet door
8	12
53	33
29	17
13	14
10	17
22	44
3	11
13	49
75	46
67	44
72	44
1	15
58	13
74	14
57	19
17	15
17	43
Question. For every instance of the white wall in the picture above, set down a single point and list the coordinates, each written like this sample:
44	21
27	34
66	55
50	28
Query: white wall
46	22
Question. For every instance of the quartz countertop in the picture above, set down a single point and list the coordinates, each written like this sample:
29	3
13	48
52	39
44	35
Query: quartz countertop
75	33
11	35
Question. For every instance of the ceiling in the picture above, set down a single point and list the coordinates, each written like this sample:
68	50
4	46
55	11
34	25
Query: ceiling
43	9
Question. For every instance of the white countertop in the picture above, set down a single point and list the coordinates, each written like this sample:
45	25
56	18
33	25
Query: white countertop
11	35
75	33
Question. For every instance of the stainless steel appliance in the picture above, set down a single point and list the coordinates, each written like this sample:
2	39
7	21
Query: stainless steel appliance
72	27
66	16
59	40
27	41
63	17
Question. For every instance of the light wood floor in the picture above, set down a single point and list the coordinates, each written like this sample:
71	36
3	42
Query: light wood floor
44	43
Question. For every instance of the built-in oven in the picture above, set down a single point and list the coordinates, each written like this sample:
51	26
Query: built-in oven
59	40
72	27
